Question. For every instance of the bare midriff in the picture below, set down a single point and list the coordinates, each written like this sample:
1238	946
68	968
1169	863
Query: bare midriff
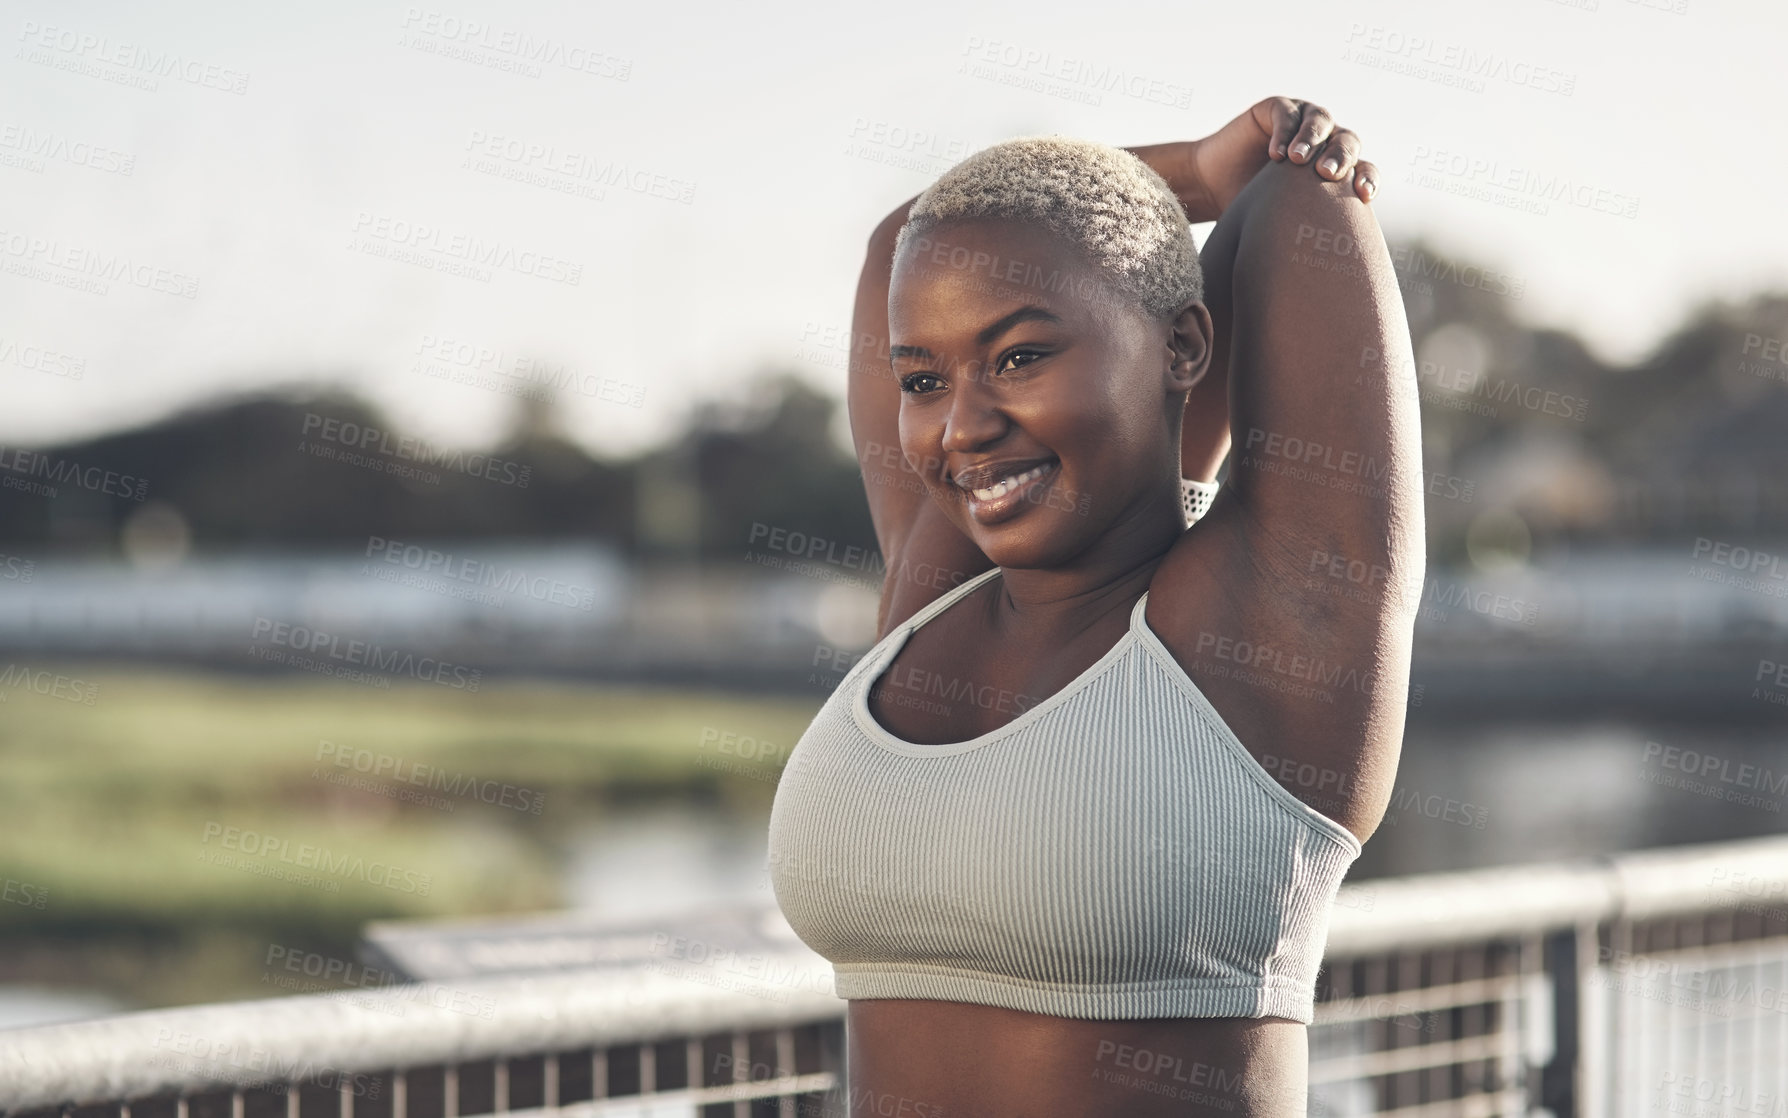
938	1059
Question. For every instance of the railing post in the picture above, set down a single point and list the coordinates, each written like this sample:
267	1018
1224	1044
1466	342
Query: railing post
1559	1087
1558	1080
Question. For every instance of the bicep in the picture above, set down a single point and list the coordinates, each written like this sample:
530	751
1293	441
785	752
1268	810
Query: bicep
1325	423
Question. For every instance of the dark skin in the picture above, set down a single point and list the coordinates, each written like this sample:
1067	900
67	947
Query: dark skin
1101	394
926	554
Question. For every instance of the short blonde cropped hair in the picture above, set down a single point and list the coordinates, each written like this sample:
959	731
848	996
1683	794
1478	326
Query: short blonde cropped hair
1115	208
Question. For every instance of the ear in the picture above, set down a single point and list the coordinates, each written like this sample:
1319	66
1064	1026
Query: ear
1189	336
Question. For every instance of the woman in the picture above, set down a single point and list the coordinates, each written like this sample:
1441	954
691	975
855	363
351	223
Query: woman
1036	827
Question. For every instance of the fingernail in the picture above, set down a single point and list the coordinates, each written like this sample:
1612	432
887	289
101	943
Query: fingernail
1330	166
1371	188
1300	149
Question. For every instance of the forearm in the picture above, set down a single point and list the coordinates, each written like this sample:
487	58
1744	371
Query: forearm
1174	163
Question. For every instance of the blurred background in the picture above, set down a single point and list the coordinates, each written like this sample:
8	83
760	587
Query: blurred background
423	453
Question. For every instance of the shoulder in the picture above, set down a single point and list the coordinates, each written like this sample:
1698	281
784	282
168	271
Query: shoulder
922	573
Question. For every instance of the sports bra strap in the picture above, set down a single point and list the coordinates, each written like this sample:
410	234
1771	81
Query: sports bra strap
949	598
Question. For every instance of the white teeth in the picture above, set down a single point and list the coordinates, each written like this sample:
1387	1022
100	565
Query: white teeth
1010	483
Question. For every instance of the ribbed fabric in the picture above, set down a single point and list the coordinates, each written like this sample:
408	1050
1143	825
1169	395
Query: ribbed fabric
1113	852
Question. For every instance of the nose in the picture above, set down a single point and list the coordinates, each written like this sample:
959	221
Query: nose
973	420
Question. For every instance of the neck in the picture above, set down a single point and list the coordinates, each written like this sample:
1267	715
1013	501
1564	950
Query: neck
1074	595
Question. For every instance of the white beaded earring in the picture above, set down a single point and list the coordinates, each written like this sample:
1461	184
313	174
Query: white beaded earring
1196	497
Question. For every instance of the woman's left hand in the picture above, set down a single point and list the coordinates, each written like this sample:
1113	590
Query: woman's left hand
1273	130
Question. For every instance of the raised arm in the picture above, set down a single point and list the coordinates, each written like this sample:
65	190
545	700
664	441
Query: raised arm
1208	175
925	553
1300	596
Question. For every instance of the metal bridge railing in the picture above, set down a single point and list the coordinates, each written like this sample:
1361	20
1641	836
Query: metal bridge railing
1655	981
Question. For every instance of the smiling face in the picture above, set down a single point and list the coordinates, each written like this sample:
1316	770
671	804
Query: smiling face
1017	359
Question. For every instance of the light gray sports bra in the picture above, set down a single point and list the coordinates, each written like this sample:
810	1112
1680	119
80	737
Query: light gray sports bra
1111	852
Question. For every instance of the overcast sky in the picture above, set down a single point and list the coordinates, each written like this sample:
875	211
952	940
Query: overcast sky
210	198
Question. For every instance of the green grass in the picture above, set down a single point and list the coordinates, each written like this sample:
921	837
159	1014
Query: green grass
109	811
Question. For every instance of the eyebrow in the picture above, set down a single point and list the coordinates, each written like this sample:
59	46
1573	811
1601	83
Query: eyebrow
1026	313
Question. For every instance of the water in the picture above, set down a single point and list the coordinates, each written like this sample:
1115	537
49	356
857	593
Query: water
1496	793
1468	795
33	1005
647	861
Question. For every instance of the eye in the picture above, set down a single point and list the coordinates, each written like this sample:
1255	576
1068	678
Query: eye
1034	353
907	382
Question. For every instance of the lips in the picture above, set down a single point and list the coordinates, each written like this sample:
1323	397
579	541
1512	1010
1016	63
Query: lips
990	474
1013	494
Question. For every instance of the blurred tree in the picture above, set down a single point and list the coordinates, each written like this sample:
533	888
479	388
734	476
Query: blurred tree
1684	442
